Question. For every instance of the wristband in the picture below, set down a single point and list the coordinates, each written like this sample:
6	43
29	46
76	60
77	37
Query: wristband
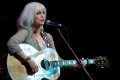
28	58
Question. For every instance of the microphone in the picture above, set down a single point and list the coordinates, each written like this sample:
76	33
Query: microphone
48	22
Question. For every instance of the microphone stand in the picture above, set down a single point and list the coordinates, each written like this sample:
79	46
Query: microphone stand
77	59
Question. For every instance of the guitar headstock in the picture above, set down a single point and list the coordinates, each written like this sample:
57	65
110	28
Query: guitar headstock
101	62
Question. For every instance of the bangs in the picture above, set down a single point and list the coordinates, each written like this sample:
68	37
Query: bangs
39	8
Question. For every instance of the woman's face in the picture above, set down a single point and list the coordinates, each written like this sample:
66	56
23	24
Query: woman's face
39	18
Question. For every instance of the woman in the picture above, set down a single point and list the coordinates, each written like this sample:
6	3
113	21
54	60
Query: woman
31	31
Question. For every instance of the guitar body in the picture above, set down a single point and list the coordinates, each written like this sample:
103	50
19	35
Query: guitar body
17	71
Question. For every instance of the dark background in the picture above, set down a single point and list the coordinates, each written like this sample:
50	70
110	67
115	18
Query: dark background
90	27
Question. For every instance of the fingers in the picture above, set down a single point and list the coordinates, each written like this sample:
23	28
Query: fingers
35	69
83	62
82	58
78	66
32	67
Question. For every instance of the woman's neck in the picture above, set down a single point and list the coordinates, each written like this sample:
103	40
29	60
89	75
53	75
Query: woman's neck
37	31
38	35
37	28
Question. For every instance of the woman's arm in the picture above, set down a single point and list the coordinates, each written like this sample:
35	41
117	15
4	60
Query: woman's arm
16	51
15	40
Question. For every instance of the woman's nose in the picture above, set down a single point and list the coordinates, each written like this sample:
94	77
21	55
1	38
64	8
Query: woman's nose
42	15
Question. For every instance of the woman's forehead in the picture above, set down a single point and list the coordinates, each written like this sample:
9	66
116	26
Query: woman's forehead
40	8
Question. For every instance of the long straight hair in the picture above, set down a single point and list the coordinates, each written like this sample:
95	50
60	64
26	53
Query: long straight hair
26	18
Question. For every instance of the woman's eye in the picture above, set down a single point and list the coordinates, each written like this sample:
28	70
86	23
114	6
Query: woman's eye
38	13
43	12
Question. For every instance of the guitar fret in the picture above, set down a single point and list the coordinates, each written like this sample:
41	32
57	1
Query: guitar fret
69	62
91	61
63	63
58	63
74	62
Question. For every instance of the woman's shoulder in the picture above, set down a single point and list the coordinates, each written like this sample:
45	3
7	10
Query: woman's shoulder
24	30
48	34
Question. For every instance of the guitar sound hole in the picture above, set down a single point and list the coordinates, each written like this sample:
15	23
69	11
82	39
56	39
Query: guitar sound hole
45	64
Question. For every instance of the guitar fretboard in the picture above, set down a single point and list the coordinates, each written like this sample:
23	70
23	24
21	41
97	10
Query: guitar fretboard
70	62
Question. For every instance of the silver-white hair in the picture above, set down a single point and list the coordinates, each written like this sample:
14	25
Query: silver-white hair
26	18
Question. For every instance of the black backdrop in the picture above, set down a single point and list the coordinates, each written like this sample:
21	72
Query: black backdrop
89	25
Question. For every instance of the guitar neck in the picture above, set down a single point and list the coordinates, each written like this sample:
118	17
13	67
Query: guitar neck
70	62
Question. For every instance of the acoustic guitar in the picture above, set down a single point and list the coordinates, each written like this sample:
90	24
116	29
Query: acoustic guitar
48	62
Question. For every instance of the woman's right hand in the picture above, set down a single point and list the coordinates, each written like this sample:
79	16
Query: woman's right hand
31	67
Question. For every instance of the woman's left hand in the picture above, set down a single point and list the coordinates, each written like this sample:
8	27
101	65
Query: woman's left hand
82	63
